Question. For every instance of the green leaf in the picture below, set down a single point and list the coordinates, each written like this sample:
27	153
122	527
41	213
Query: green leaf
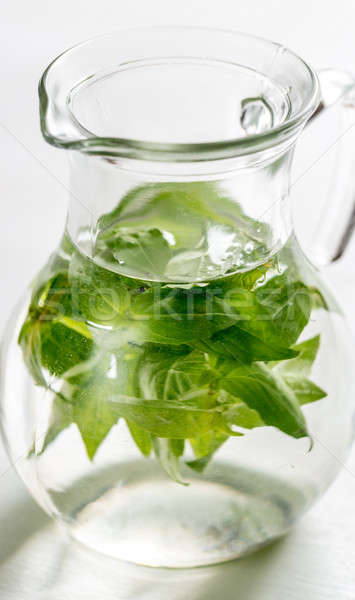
63	346
50	338
204	448
168	418
50	279
305	390
168	459
141	437
99	296
301	365
275	313
61	418
30	342
244	347
208	442
200	464
318	299
145	252
289	305
245	279
171	397
54	345
165	231
94	414
186	206
51	298
177	447
178	316
241	415
295	372
169	372
268	395
88	399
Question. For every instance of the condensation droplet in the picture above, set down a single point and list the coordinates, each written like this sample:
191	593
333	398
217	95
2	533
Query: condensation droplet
249	247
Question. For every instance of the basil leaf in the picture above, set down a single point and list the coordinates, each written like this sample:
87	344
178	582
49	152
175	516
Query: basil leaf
185	206
54	345
177	447
204	447
268	395
169	418
295	372
245	279
61	418
200	464
301	365
165	231
168	459
87	398
178	316
305	390
275	313
172	398
241	415
55	301
50	339
244	347
50	279
167	373
63	346
99	295
30	342
289	305
94	414
145	252
141	437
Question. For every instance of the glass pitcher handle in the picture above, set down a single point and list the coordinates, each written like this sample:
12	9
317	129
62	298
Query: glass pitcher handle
338	222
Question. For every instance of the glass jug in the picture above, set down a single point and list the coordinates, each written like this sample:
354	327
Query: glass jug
177	384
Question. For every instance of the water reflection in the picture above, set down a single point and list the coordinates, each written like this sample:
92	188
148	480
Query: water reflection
41	562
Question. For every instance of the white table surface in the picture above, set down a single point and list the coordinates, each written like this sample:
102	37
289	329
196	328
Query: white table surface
317	560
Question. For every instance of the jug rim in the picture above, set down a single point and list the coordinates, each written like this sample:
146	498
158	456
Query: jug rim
61	130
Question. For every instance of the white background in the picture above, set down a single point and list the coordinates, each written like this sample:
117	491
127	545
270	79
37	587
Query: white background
317	560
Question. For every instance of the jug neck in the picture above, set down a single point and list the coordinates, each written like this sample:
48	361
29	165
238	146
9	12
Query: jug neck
182	138
226	220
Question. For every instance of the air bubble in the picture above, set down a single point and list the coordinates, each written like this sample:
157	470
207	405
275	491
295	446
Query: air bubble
256	116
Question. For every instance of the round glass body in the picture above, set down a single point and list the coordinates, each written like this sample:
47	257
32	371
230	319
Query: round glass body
146	450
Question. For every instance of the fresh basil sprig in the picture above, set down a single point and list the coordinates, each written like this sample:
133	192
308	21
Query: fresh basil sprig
185	365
